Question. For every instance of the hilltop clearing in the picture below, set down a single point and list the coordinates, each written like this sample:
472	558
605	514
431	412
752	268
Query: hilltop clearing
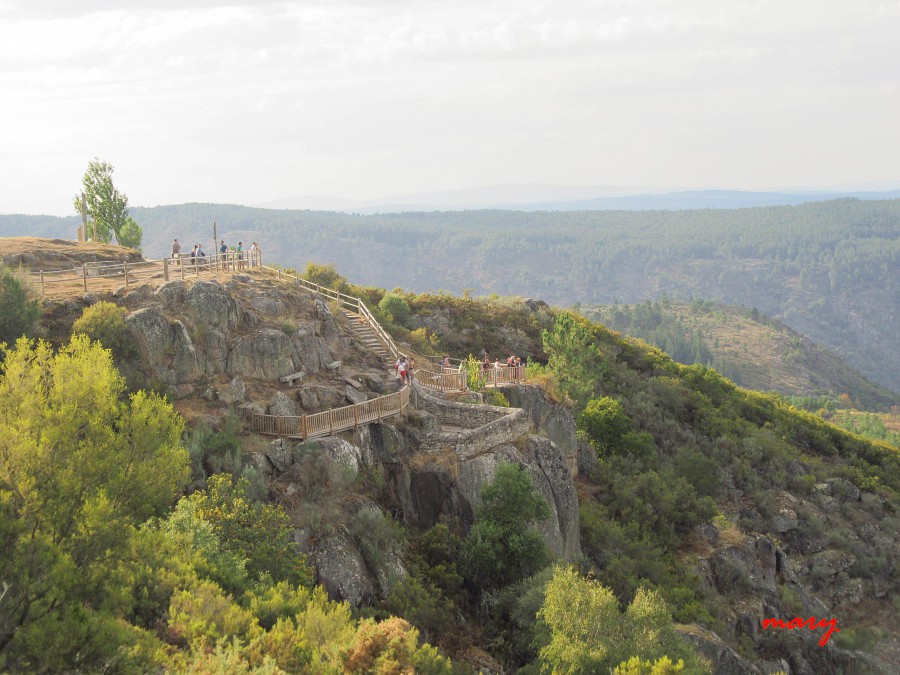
34	253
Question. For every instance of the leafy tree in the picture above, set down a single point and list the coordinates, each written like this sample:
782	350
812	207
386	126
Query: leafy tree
107	206
501	548
574	356
589	634
131	234
603	422
80	468
18	312
395	306
259	534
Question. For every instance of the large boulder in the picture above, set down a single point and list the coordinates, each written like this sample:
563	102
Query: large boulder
266	354
342	570
317	397
283	405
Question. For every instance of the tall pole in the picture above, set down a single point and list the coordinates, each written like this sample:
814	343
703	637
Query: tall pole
215	248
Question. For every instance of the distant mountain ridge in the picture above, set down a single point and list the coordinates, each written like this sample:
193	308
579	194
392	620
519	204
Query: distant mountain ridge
539	197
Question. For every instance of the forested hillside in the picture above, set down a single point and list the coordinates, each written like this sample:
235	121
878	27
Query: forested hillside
830	270
748	347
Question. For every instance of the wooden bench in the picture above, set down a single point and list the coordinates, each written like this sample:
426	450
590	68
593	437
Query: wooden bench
290	379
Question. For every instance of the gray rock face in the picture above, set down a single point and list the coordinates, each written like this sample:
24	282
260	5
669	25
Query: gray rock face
736	566
552	420
345	453
212	304
152	333
185	360
166	347
342	570
215	351
267	354
552	479
315	352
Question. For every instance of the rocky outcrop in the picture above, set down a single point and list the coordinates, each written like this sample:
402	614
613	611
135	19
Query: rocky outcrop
548	418
166	347
212	304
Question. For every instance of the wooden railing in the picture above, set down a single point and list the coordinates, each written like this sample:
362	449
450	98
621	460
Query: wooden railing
89	274
447	380
231	261
330	421
504	375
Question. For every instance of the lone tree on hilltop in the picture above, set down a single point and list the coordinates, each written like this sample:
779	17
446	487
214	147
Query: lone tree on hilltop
107	206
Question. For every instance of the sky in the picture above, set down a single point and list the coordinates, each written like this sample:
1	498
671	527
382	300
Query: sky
247	102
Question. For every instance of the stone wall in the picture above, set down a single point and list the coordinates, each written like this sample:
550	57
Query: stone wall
453	413
486	426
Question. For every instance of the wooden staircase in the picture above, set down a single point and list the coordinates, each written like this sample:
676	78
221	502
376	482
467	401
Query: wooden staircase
367	335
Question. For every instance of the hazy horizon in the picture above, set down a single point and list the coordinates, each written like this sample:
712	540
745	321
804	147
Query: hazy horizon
254	102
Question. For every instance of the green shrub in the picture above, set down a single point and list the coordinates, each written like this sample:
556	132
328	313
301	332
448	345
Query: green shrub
18	312
105	323
494	397
501	547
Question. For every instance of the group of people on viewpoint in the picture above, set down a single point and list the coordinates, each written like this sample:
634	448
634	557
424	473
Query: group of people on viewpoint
252	259
512	362
404	368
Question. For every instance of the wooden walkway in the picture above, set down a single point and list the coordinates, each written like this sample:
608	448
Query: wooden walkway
331	421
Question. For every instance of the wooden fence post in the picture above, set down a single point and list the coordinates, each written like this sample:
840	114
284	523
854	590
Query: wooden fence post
42	282
125	268
181	265
331	421
355	417
84	274
166	269
305	430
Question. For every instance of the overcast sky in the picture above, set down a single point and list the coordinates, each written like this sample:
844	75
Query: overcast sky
246	102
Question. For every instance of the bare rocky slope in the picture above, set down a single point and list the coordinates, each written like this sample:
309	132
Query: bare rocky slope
826	548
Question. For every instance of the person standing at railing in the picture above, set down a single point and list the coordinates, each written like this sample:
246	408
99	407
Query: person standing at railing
446	362
176	248
240	255
254	254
